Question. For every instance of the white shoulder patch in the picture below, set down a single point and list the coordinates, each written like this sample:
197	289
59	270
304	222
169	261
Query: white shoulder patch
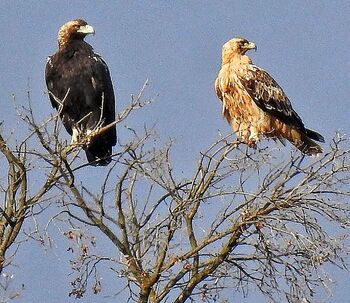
93	82
49	61
97	59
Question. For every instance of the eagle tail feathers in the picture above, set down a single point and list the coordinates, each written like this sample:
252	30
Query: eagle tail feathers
314	135
98	155
308	146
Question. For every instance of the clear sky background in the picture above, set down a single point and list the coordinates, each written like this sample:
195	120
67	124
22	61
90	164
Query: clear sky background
304	45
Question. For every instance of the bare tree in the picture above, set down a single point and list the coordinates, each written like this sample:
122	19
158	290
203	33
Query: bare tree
244	219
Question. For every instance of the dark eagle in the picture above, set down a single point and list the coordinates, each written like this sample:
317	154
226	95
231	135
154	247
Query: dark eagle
255	105
80	88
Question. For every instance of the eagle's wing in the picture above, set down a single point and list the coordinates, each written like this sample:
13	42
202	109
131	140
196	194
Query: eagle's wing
102	83
219	94
50	74
269	96
217	89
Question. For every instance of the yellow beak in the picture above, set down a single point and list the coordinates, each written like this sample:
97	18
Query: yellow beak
250	45
86	29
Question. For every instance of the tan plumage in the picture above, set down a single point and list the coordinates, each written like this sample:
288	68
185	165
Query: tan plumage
255	105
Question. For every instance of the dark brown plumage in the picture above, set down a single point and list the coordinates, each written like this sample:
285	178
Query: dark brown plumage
81	89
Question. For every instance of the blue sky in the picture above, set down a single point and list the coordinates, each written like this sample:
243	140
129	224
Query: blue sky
176	45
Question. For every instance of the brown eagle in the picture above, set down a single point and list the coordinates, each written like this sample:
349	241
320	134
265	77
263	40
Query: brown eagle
80	88
255	105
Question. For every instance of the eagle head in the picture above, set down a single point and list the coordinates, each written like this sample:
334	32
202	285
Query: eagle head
75	29
236	46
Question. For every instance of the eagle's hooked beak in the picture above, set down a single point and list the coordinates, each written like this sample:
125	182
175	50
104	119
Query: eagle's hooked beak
251	45
86	29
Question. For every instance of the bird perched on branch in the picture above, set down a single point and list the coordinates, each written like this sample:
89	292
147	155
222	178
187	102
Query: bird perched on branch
255	105
80	88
